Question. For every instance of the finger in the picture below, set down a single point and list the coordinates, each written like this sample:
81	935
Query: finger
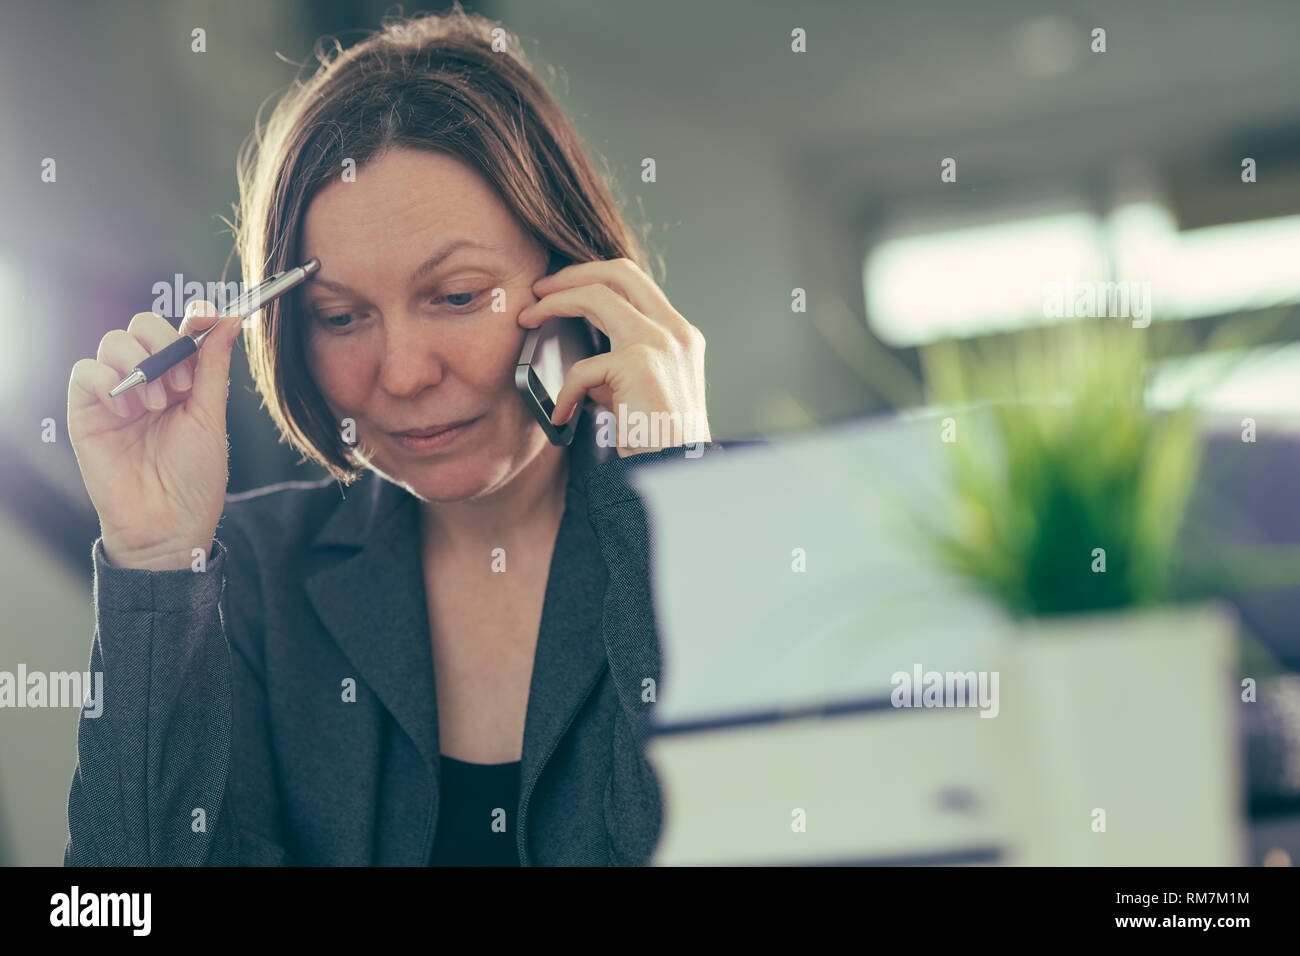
198	316
585	375
212	365
622	276
602	307
121	351
182	374
89	386
155	333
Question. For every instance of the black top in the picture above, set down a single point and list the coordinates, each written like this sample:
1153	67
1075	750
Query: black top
476	814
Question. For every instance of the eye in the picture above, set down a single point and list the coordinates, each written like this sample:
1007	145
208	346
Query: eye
338	323
462	299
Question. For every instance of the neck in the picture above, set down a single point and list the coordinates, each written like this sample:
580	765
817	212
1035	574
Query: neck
532	502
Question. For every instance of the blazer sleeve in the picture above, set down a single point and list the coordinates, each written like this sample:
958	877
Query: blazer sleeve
155	782
633	800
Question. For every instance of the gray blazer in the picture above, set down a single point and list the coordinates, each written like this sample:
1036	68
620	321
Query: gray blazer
226	739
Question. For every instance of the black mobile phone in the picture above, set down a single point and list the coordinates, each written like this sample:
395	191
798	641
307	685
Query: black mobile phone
549	352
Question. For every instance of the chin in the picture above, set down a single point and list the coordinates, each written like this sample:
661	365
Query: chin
448	479
436	480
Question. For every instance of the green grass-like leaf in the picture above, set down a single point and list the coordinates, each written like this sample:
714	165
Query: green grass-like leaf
1077	463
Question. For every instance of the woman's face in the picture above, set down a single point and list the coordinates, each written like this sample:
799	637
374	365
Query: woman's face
400	330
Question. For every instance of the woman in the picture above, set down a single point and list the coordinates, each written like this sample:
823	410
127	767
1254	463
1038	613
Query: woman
452	661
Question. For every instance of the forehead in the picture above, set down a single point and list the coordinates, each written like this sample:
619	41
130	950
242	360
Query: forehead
402	202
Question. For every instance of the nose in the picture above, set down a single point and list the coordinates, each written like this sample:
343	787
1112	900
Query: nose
412	360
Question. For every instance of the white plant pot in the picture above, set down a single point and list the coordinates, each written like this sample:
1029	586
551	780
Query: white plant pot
1118	737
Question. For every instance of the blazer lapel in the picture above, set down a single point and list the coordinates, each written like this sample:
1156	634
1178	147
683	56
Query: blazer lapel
373	604
571	655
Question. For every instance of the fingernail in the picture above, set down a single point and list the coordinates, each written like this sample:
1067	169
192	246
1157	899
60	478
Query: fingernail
198	307
155	396
181	376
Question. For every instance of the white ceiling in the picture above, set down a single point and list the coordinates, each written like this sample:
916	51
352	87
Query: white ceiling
889	87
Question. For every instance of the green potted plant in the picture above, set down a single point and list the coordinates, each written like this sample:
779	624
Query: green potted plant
1118	741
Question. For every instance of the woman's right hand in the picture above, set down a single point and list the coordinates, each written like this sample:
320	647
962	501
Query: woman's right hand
154	458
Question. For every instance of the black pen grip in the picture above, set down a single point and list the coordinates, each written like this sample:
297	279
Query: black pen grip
173	354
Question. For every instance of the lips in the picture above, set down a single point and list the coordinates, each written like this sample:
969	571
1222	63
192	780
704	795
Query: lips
432	429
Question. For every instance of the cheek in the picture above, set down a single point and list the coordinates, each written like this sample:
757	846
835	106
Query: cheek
340	373
489	359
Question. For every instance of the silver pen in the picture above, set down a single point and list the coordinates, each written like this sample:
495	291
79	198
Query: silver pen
185	346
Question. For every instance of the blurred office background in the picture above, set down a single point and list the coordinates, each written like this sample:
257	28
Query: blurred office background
776	171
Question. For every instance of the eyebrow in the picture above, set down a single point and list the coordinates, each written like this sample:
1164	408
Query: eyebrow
421	270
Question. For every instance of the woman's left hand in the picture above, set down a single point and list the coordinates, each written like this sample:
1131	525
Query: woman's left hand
656	359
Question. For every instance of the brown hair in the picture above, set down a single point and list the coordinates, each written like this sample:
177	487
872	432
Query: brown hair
428	82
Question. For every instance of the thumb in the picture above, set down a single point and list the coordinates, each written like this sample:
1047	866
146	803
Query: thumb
212	368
